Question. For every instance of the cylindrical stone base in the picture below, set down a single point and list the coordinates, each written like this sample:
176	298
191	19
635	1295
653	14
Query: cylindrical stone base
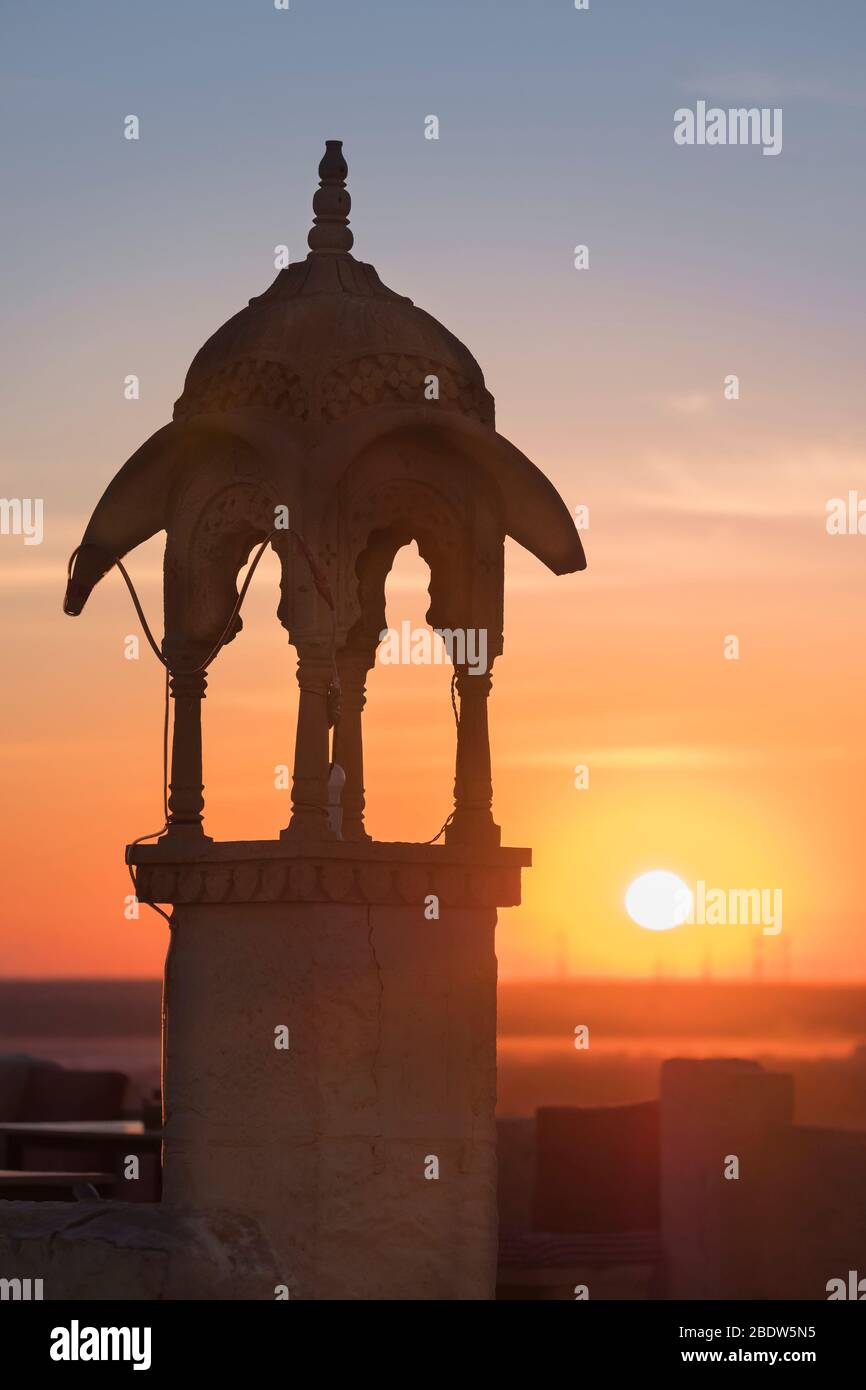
366	1147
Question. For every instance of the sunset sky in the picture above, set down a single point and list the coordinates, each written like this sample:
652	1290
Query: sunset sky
707	515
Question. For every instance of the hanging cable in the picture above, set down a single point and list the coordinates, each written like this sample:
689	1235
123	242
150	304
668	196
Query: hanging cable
332	696
445	825
322	587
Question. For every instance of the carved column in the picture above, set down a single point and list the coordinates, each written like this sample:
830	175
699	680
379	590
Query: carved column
312	752
473	785
186	787
348	739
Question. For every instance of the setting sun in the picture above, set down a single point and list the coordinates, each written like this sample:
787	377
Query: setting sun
658	900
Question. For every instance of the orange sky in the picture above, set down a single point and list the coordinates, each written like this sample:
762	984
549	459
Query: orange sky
706	515
745	773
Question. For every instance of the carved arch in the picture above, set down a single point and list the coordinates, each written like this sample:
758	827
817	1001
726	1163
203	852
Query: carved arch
225	508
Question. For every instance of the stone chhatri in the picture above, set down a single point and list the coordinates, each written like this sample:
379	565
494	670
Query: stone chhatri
335	399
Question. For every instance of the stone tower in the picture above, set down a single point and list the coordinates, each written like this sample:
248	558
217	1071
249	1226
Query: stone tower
329	1030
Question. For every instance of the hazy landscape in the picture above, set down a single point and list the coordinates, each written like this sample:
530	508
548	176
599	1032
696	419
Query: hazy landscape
818	1033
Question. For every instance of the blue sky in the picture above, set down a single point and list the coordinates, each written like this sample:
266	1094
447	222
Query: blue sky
556	128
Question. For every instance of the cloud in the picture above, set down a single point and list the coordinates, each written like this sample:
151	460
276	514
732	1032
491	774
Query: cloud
779	484
746	87
670	757
687	402
16	575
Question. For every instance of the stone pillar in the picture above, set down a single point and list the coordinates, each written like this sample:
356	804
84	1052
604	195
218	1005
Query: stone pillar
348	740
186	787
312	752
364	1150
473	823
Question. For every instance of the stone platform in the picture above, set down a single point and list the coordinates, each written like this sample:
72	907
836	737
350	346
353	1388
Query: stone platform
374	872
365	1149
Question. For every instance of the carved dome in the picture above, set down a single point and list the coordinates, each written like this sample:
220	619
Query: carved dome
328	338
326	369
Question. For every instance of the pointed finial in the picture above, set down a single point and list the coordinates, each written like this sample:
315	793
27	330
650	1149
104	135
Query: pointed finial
331	203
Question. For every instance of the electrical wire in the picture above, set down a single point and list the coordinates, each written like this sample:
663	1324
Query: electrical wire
323	588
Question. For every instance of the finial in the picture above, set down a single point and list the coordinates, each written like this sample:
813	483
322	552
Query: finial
331	203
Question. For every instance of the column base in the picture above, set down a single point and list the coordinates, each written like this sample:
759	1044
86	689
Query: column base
180	833
473	828
330	1055
355	833
309	828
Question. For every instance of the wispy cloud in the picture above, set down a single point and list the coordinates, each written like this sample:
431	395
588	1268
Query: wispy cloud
780	485
669	757
744	86
687	402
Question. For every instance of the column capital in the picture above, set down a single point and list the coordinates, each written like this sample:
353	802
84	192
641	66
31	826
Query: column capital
315	669
472	684
187	684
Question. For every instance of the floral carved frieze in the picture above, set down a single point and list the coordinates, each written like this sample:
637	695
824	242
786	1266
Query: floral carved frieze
325	880
251	382
398	379
378	379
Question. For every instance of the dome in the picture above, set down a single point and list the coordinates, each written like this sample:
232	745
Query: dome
312	375
328	338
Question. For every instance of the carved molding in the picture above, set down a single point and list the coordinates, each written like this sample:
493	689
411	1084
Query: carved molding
251	382
327	880
230	513
385	378
211	535
391	378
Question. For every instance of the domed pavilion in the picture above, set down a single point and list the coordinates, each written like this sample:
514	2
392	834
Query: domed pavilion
339	407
